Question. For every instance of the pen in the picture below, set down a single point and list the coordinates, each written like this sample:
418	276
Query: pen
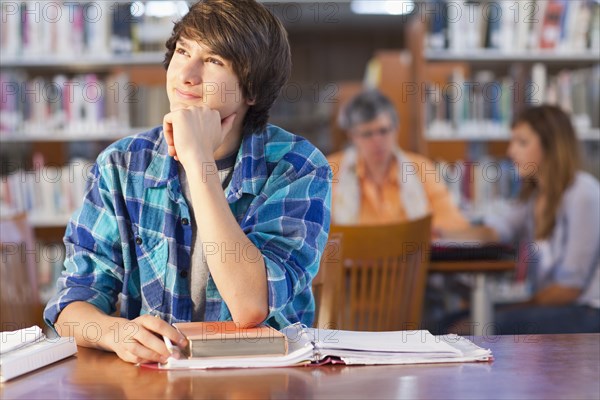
169	345
173	350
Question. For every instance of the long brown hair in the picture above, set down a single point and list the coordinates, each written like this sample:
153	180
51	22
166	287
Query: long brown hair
246	33
560	160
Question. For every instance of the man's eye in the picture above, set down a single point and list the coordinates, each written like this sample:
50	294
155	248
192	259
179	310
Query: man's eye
181	51
214	61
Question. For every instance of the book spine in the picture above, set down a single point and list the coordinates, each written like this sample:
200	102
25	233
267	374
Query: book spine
551	28
46	190
35	29
513	26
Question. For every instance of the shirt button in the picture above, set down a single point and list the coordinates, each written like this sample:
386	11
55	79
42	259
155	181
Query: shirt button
183	274
185	221
139	240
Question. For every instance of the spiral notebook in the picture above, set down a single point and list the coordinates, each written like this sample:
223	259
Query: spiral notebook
321	346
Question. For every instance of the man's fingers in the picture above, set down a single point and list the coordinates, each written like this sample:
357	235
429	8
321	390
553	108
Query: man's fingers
163	328
168	132
138	353
151	341
168	129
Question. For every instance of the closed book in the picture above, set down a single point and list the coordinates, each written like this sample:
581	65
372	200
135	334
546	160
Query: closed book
226	338
35	356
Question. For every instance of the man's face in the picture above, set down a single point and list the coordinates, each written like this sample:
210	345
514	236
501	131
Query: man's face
375	140
198	77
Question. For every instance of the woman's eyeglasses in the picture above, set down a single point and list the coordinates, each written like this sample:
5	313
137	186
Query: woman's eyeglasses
367	134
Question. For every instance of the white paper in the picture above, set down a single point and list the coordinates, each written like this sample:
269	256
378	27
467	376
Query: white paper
421	341
13	340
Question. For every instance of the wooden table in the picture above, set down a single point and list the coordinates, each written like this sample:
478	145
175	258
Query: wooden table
525	367
482	307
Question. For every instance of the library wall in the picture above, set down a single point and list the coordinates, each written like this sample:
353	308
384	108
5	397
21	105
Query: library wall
71	86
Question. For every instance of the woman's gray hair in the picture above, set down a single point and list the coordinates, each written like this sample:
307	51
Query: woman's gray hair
365	107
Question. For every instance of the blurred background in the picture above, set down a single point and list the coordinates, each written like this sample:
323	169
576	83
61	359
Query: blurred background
78	75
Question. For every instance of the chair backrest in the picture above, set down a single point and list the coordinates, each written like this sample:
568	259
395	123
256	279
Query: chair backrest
19	297
326	284
384	274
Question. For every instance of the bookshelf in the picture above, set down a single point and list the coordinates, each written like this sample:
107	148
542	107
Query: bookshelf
71	86
88	62
75	77
439	51
69	136
458	58
494	56
591	135
551	54
39	220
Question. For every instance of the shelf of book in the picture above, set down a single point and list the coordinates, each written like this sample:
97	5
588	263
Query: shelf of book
74	76
453	135
38	220
494	55
475	68
87	61
69	136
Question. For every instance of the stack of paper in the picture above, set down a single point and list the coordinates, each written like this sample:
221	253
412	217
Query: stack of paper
28	349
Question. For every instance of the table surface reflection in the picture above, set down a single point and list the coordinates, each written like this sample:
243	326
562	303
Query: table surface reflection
535	366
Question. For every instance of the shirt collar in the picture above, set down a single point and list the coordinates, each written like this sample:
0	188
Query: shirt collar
392	173
249	173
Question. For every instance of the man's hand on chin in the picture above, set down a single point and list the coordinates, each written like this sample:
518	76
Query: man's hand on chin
194	133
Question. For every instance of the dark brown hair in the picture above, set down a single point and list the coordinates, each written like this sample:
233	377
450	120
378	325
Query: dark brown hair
560	160
247	34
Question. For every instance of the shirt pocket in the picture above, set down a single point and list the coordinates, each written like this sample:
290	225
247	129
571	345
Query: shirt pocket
152	253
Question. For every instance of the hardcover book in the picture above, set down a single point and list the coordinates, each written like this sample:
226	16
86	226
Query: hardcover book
226	338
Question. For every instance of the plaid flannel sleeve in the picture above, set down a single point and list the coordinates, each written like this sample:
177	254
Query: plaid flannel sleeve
93	270
290	226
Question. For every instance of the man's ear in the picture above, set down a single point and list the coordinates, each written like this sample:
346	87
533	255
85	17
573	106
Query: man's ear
250	102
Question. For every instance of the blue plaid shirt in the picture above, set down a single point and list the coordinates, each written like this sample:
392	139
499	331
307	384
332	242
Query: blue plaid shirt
131	239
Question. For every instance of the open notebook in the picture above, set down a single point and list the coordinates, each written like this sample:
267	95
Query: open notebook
318	346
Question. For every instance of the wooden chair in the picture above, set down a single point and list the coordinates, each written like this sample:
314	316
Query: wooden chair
384	271
326	284
19	297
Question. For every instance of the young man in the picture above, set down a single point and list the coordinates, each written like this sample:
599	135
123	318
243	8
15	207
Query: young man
214	216
375	181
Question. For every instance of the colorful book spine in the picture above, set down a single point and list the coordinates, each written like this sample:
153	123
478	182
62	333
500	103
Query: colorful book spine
80	103
483	106
46	190
512	26
479	186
